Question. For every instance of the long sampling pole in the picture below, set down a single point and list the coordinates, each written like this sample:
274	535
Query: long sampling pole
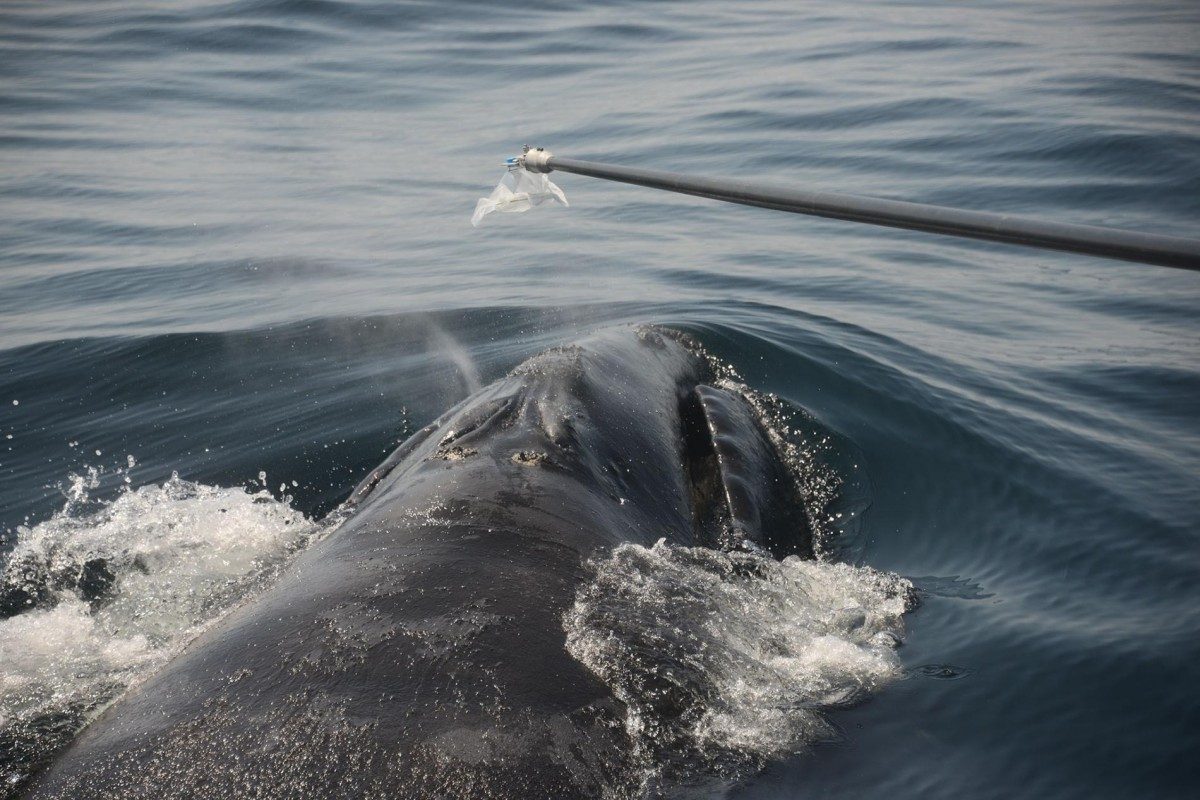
1126	245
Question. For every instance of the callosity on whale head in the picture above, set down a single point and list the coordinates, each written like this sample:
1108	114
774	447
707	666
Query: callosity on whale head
418	650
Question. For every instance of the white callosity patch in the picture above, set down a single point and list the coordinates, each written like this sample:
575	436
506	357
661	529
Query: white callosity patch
726	659
175	556
519	190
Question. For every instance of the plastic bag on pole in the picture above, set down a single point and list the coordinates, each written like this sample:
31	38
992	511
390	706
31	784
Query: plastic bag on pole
519	190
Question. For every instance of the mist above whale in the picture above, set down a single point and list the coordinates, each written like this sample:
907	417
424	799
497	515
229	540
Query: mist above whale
442	640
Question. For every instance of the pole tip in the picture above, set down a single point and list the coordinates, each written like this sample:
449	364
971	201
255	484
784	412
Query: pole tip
537	159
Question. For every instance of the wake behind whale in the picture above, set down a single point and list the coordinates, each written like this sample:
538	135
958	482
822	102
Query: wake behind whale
568	585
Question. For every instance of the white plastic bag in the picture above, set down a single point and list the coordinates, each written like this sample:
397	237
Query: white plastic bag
519	190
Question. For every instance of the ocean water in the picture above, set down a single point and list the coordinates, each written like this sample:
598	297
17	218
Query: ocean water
236	267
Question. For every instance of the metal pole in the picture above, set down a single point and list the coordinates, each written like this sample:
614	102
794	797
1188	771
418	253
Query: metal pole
1145	248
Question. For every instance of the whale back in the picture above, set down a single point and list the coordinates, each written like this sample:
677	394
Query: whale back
417	650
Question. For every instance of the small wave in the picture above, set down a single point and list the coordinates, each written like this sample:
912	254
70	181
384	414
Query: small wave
104	592
728	659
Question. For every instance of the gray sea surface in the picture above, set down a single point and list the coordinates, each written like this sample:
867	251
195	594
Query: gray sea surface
235	239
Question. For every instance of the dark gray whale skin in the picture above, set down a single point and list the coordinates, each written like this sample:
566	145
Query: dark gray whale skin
417	650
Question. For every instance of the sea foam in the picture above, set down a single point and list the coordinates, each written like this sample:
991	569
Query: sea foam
175	557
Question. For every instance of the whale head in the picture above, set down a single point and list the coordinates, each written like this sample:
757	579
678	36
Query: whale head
418	649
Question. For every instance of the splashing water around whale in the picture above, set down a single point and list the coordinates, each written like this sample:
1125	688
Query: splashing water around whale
458	634
726	660
173	558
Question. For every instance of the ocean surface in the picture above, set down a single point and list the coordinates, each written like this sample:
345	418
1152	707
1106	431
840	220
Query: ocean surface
236	268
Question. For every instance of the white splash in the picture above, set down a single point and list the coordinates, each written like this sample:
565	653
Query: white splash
727	659
177	555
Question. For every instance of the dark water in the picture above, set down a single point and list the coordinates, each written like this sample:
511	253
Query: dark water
234	239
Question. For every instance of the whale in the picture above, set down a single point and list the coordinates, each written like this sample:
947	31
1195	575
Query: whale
417	649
